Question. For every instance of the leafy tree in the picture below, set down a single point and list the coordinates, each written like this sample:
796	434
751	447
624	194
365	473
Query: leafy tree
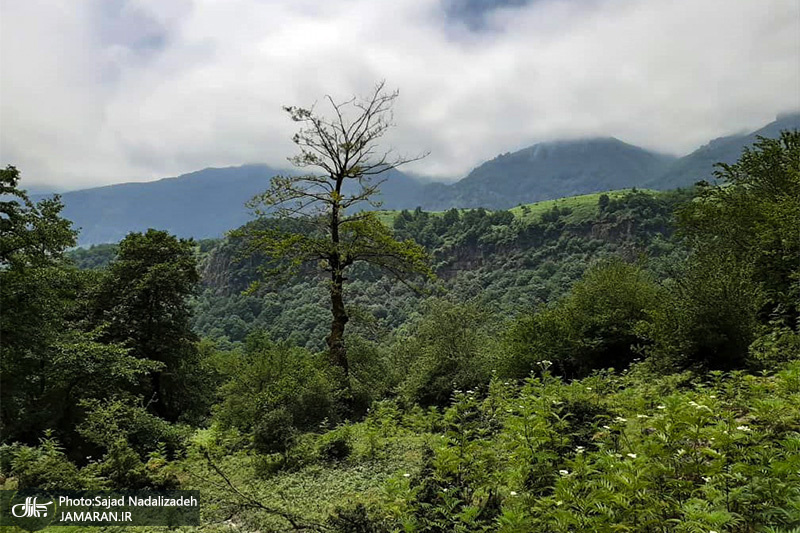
345	166
143	302
30	234
594	326
753	218
49	362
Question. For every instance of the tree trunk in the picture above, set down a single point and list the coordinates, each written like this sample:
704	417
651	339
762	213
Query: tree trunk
338	353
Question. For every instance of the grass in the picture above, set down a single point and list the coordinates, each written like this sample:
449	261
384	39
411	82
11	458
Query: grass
583	207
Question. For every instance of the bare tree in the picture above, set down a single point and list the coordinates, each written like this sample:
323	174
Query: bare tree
328	227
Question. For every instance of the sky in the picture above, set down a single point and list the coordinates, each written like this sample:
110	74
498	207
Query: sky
94	92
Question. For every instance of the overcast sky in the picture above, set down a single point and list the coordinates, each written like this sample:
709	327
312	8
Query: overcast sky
97	92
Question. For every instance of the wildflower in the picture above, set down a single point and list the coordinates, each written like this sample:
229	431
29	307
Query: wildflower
606	427
444	490
579	449
707	479
513	493
406	475
588	388
632	455
564	472
661	407
620	419
743	428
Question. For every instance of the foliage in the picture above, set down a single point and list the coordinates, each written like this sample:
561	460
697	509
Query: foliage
142	300
344	150
593	327
264	376
753	217
449	348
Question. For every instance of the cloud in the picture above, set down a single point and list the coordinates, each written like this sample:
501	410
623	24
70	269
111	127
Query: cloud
101	92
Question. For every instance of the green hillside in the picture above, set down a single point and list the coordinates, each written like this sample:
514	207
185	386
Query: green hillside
627	361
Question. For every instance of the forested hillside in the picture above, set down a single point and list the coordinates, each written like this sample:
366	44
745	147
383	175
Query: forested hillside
620	361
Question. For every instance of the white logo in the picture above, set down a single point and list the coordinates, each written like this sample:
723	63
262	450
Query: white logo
30	509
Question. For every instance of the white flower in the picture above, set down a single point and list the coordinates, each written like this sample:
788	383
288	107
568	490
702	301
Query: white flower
444	490
713	396
606	427
620	419
743	428
632	455
563	472
707	479
406	475
579	449
588	388
513	493
661	407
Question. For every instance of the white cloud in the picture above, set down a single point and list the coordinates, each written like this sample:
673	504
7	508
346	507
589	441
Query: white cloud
99	92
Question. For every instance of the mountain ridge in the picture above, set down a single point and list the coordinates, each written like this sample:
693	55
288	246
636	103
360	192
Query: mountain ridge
207	203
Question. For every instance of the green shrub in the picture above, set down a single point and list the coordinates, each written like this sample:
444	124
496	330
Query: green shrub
46	467
275	432
450	348
264	376
595	326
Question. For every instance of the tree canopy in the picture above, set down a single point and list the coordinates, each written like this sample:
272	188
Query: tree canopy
343	168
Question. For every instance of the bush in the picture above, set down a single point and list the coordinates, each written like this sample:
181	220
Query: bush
595	326
335	446
275	432
450	348
46	467
264	376
707	316
107	422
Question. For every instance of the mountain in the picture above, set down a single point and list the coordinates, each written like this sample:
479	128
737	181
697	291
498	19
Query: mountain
550	170
201	204
699	165
209	202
